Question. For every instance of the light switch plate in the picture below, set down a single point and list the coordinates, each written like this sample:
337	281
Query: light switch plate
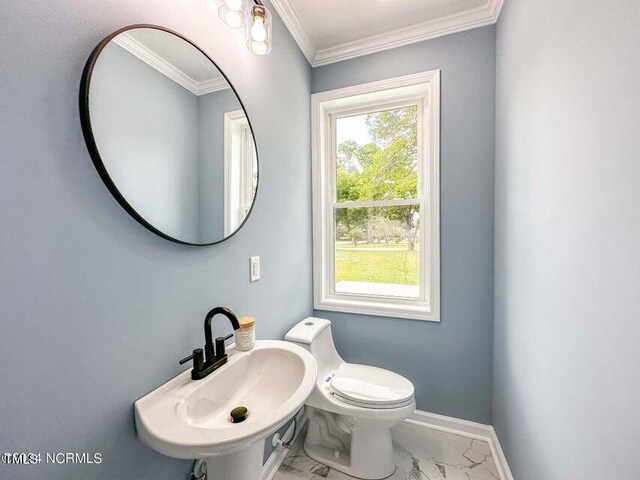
254	269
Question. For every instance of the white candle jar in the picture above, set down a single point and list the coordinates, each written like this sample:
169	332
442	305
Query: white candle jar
245	336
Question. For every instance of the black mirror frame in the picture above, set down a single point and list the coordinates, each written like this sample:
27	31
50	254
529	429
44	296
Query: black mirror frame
85	120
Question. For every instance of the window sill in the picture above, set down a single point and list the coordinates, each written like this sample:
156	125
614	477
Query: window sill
413	310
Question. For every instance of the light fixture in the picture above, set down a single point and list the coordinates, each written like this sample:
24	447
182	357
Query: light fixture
259	29
257	18
233	12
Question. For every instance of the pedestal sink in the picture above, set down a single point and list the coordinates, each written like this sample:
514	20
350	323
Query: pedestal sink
190	419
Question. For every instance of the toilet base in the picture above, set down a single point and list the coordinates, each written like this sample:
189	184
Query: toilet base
357	447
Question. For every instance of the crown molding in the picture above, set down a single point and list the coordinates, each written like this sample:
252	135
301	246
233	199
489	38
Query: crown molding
210	86
293	23
155	61
460	22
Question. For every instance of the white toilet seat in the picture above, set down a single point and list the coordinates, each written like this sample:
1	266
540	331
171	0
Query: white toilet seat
365	386
371	406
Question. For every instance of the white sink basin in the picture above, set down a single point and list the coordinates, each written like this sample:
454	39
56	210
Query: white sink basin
187	418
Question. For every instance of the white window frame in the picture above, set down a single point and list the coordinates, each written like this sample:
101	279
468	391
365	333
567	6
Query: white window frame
239	151
421	89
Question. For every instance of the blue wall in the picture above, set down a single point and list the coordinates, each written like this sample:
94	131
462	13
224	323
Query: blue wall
450	363
211	110
95	310
567	395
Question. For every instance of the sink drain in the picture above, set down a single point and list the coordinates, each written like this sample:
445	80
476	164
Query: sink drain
239	414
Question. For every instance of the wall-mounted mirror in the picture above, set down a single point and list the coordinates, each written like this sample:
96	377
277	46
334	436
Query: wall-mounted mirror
169	135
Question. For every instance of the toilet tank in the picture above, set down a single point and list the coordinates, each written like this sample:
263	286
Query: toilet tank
314	334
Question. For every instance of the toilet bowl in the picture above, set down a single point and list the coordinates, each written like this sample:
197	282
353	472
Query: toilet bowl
352	408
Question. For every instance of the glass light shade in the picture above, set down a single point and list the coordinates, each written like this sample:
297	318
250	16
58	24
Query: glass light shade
233	12
259	30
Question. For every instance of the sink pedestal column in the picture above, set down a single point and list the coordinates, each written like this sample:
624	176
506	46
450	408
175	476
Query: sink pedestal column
245	464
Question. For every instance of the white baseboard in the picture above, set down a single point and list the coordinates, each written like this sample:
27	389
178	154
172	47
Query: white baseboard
465	428
276	458
498	454
421	419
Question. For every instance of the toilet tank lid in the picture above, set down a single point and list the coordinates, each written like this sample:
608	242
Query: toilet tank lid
307	330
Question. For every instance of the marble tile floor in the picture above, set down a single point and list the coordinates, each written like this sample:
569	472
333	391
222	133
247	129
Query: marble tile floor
421	453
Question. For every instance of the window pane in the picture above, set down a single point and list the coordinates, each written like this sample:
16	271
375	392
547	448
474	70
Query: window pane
377	155
377	251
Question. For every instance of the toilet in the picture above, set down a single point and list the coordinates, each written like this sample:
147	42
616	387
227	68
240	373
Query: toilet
352	409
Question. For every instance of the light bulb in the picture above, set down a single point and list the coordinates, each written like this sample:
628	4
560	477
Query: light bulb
259	48
233	12
233	18
258	32
234	5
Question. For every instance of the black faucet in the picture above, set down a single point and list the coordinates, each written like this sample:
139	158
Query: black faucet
213	357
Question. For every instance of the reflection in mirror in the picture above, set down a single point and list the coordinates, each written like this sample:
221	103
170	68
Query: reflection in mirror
241	169
173	142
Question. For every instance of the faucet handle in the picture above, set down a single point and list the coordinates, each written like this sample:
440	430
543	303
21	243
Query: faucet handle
220	346
198	359
186	359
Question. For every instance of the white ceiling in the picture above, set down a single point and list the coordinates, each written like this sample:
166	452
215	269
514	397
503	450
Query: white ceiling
329	31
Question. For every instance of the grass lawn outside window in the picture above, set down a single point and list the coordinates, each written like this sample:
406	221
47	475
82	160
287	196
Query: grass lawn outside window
377	263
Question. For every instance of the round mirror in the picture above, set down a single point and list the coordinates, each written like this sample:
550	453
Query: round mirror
169	135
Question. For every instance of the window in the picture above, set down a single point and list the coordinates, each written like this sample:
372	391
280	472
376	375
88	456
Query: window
240	170
376	198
